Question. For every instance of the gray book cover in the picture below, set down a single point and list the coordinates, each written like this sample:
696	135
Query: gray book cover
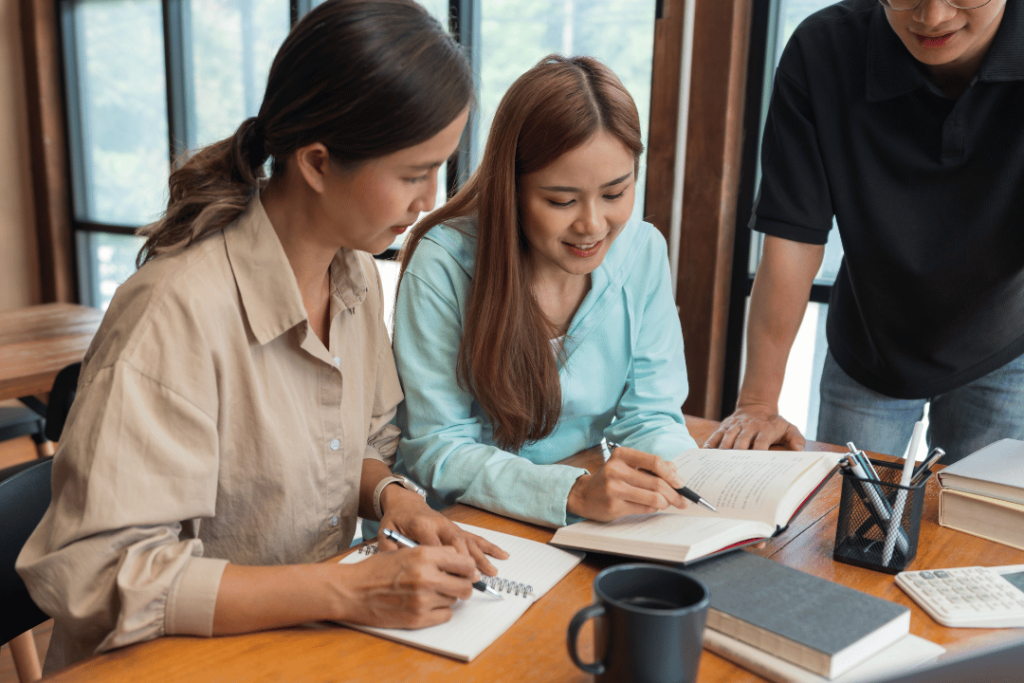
1000	463
818	614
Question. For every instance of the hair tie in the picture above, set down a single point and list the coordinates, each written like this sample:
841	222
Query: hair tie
255	143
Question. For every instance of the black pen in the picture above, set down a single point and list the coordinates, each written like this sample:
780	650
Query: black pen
398	538
686	492
925	465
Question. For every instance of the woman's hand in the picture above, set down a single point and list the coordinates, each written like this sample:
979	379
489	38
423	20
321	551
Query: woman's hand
631	482
408	588
408	514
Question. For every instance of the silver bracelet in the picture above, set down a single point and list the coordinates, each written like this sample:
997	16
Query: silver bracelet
404	482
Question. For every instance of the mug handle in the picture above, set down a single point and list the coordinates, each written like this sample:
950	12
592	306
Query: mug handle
588	612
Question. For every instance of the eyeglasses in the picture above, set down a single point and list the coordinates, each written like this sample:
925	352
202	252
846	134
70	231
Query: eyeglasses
904	5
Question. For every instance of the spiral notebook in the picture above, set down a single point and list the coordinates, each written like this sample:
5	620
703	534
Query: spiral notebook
531	570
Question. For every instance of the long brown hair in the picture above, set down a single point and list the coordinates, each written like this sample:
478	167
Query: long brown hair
505	357
364	78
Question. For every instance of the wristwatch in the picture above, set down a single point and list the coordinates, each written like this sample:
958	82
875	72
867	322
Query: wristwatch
402	481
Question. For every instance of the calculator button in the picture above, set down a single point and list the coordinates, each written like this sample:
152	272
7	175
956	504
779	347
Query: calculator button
941	574
927	575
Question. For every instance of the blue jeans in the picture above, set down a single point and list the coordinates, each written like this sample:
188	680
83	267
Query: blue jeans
960	421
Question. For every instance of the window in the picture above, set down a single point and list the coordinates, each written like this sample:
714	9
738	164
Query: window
146	81
149	79
774	23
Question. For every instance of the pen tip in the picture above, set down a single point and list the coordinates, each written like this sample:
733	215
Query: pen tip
708	505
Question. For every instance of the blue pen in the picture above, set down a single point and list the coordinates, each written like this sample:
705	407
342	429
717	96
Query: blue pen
409	543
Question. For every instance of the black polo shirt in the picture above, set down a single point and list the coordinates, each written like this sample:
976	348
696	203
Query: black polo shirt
928	195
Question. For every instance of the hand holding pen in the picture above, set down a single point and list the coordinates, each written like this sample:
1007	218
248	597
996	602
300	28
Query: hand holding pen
685	491
630	482
401	540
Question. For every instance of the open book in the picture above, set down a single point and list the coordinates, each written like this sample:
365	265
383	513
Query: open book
531	570
757	494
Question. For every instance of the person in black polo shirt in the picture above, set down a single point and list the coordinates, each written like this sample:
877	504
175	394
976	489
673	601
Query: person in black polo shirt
904	119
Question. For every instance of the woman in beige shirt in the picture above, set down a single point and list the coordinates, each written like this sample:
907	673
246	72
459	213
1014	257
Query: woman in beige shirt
233	412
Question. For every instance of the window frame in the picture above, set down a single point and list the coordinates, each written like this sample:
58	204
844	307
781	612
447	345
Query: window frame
181	112
711	167
763	43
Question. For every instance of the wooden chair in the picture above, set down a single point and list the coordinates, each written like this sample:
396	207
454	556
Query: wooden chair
24	498
18	421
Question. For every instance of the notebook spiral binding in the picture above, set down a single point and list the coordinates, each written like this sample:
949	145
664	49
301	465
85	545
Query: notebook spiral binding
496	582
508	586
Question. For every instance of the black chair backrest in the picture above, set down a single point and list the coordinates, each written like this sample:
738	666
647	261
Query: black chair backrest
23	499
65	384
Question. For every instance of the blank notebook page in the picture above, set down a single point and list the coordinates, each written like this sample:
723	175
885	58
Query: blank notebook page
477	622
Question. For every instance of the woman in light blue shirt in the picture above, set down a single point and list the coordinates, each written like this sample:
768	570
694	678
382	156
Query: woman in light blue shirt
567	333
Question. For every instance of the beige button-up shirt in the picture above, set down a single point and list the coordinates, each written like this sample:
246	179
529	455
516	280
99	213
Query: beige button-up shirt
211	426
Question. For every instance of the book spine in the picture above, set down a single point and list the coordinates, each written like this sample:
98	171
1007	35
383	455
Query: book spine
762	639
994	521
724	647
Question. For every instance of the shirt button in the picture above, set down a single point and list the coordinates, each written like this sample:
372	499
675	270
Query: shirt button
334	520
337	361
335	444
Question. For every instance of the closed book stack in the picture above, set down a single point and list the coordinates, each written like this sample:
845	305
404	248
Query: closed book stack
991	518
816	624
983	494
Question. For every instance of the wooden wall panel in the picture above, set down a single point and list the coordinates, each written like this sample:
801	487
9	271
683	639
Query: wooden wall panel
19	269
661	142
711	184
49	149
714	146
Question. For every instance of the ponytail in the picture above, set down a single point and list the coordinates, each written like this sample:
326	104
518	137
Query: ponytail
364	78
208	192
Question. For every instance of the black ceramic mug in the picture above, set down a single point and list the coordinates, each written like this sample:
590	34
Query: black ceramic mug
649	625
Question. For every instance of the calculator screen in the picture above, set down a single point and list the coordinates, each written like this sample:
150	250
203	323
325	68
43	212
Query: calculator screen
1016	579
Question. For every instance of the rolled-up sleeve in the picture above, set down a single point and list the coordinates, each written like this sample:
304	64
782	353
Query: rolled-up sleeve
109	559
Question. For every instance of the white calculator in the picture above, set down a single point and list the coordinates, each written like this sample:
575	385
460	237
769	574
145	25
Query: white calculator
976	597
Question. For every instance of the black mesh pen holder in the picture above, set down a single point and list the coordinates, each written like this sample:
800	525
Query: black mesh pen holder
865	534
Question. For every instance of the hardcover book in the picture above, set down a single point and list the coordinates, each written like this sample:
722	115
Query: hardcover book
816	624
996	471
757	494
991	518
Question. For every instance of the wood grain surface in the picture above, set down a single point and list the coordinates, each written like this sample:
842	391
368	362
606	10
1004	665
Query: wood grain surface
38	341
534	649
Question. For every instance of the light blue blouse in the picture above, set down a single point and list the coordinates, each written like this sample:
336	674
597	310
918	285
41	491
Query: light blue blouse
624	378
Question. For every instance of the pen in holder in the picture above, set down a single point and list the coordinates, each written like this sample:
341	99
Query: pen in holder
866	533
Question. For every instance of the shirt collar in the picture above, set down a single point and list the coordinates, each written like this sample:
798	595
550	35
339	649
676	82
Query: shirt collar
892	71
266	283
1005	59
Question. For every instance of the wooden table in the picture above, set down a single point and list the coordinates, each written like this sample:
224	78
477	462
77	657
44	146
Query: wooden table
534	649
38	341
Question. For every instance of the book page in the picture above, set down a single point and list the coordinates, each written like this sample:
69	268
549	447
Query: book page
750	484
644	535
479	621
